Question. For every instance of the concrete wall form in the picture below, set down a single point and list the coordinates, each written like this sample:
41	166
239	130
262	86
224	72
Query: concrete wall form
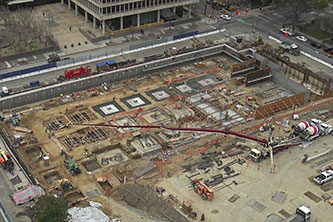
278	106
279	79
69	87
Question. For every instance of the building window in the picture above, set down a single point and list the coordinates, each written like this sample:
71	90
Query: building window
135	5
113	9
109	10
117	8
143	3
126	7
131	6
122	8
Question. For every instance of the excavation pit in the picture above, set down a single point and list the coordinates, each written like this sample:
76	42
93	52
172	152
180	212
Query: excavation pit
52	177
56	123
111	157
84	136
34	152
91	165
80	116
155	116
105	185
74	196
127	120
146	145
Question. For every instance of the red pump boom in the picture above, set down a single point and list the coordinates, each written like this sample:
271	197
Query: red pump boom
264	142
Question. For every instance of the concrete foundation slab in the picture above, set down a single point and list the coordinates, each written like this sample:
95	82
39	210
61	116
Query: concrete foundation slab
135	101
256	205
107	109
159	94
146	145
183	88
279	197
274	218
298	202
92	194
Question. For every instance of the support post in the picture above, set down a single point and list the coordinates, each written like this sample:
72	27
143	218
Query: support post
103	27
189	11
158	15
138	20
86	16
94	22
62	2
76	10
69	4
121	22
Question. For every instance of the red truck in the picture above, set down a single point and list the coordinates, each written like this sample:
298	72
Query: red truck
77	72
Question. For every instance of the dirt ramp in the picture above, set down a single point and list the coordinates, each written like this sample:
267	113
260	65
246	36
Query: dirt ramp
146	199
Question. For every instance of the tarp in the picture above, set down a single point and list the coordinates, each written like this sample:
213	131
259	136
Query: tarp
87	214
100	64
27	194
111	62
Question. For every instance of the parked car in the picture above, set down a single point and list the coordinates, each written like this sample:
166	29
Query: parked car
301	38
328	49
315	44
53	59
226	17
287	31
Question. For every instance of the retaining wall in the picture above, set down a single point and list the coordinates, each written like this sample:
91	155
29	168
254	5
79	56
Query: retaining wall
69	87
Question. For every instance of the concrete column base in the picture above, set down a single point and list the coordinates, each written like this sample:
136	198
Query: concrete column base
94	22
103	27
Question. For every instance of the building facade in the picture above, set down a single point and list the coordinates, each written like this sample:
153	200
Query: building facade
122	14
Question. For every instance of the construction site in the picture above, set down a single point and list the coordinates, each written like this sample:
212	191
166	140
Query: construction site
197	141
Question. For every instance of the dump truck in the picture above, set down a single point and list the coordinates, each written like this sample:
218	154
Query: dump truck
302	214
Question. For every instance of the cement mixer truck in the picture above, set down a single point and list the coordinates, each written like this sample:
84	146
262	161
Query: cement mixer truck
311	133
299	128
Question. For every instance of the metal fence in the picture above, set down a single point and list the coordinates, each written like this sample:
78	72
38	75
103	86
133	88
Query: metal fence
69	87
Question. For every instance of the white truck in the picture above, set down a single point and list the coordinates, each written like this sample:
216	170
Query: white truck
302	214
325	129
324	177
311	133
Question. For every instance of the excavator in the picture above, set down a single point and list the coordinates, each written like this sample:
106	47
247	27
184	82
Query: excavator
70	164
64	185
6	160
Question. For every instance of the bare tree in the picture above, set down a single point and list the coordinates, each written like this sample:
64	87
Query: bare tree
5	15
297	7
39	28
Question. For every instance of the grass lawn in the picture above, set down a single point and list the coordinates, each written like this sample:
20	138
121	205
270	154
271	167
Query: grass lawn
315	32
329	42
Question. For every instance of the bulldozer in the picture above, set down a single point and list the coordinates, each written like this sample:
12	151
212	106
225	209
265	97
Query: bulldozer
70	164
64	185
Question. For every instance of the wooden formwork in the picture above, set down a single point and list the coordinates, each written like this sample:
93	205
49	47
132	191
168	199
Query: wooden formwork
278	106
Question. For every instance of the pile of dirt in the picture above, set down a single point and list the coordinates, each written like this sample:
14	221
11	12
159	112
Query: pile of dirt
146	199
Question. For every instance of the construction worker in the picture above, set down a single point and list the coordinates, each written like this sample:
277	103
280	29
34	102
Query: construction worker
61	95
